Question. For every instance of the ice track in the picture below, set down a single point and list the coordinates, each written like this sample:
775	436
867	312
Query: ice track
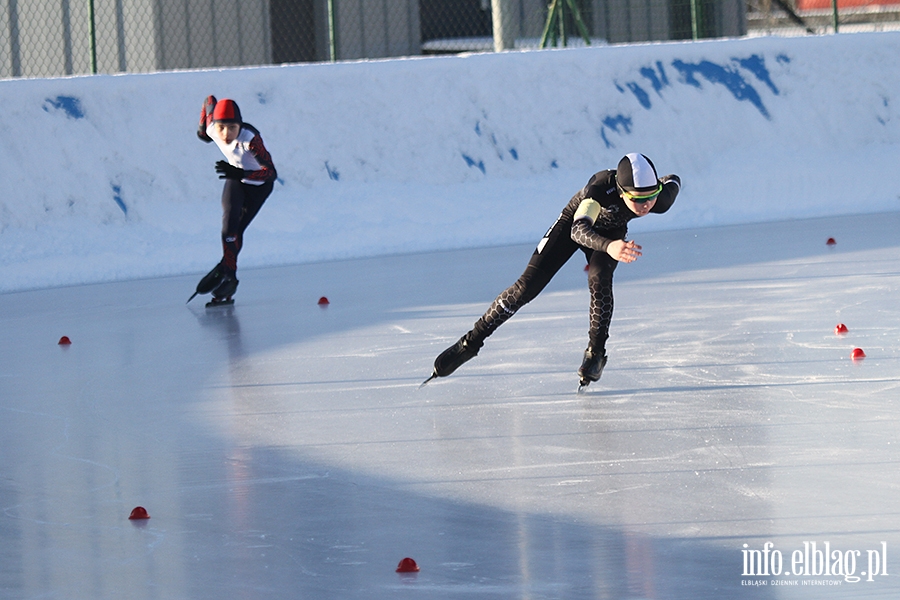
284	450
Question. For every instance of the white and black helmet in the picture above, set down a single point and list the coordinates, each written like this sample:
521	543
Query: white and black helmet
636	175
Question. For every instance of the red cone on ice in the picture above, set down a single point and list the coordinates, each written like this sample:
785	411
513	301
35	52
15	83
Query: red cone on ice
407	565
857	354
139	512
323	301
830	242
840	329
587	268
64	341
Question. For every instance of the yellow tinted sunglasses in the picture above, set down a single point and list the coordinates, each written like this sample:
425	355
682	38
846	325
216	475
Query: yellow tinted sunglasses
640	198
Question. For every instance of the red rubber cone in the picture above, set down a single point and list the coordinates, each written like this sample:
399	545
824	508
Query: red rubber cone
840	329
407	565
64	341
323	301
139	512
857	354
830	242
587	268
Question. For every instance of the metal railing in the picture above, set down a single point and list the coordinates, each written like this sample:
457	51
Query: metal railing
44	38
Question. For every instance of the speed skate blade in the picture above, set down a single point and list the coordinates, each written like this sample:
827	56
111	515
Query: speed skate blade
213	303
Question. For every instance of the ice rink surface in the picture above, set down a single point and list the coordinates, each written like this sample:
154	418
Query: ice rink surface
284	450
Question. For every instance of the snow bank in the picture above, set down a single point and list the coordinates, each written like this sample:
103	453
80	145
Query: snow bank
103	177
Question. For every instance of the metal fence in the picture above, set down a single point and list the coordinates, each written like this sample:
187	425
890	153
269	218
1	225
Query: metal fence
43	38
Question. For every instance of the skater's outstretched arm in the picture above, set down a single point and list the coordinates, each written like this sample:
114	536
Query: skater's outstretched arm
582	226
584	235
666	198
206	112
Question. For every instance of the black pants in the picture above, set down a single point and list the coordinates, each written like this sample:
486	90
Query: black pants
240	203
555	249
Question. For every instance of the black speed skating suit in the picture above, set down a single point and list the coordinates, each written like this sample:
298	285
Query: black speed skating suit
562	240
243	195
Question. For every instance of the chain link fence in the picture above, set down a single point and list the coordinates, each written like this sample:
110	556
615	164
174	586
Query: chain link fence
45	38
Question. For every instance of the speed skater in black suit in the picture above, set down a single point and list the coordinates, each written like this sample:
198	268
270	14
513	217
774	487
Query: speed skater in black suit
594	221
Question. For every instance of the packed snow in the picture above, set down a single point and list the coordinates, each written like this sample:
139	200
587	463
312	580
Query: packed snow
104	178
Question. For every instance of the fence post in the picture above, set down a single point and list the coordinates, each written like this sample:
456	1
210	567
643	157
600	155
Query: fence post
835	17
695	29
332	45
502	17
93	37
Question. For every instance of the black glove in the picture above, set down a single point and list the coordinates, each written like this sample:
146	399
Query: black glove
228	171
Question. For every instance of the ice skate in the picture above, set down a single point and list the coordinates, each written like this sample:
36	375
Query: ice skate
210	281
453	357
591	368
229	301
222	295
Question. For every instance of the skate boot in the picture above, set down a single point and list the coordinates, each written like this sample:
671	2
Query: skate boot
210	281
453	357
591	366
222	295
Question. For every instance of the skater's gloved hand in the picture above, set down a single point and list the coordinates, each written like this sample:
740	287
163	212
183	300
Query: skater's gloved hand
624	251
228	171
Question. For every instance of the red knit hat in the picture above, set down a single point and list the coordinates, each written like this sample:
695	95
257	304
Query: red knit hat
227	111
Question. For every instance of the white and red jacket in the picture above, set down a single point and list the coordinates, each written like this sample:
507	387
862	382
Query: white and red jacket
246	151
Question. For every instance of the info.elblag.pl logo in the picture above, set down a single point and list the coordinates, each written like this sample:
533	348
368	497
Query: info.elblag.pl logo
816	560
